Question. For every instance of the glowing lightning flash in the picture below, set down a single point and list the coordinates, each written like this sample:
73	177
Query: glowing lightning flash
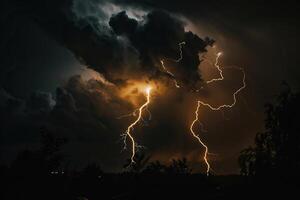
222	78
170	73
200	141
131	126
199	103
218	68
175	60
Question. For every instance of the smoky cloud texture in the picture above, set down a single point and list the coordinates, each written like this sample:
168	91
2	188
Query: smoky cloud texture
122	46
84	112
156	37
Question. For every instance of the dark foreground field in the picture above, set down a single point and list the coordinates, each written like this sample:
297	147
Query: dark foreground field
145	186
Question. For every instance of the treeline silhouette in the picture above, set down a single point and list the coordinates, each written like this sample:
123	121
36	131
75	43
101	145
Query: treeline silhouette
41	174
277	150
268	169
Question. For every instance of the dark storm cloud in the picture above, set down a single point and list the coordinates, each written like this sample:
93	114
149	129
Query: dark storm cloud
224	8
30	58
85	112
40	101
157	37
83	29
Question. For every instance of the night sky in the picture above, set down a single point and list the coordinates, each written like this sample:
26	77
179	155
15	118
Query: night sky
75	67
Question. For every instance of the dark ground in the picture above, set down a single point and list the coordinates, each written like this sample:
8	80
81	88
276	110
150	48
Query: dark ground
145	186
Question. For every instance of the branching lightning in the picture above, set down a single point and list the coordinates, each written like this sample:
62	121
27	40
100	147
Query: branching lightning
214	108
134	145
139	112
218	68
174	60
200	141
222	78
128	115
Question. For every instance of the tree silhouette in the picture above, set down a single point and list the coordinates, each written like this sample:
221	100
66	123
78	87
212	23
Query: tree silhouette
277	149
41	161
140	162
179	166
142	165
155	167
246	161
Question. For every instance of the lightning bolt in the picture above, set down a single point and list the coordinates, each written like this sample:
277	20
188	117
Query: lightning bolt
174	60
199	139
218	68
214	108
134	145
128	115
